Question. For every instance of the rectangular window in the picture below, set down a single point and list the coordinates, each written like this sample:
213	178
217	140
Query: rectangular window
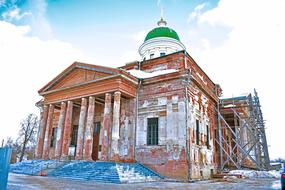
53	137
197	132
151	55
152	131
162	54
74	135
208	137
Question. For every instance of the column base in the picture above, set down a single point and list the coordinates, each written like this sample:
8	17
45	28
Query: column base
115	158
65	158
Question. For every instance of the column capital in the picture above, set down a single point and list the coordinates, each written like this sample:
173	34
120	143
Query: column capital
108	95
117	92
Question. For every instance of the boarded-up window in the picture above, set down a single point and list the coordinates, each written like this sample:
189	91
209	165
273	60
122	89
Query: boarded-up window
197	132
53	137
152	131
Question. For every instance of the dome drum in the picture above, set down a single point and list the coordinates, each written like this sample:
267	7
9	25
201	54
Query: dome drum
157	47
160	41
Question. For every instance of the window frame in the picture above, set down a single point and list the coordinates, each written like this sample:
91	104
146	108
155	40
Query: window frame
208	136
197	132
152	131
74	136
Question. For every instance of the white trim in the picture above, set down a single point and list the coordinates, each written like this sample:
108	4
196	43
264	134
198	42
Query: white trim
156	45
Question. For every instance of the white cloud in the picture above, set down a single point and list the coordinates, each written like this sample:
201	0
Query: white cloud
205	44
196	13
15	14
133	55
251	55
27	64
129	56
158	3
33	13
139	36
39	22
2	2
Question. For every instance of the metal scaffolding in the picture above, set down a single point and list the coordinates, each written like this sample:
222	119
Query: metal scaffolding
240	135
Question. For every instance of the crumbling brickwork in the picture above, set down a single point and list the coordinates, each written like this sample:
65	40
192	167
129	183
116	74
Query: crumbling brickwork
166	121
186	99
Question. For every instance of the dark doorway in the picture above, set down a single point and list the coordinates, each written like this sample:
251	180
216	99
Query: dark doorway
74	135
96	136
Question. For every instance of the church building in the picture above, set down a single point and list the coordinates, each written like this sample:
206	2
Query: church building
159	112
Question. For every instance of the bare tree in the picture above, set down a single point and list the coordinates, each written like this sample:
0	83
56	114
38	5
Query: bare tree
27	134
9	142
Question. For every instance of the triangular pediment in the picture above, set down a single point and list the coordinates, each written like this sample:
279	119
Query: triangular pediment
76	74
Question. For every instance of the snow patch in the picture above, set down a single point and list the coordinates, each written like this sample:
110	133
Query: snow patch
128	174
256	174
229	106
143	75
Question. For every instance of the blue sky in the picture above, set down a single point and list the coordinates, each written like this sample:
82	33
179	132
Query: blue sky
238	43
88	24
66	15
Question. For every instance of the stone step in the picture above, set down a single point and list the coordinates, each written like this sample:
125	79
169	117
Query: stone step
107	172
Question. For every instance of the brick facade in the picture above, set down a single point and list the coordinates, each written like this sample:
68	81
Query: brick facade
109	111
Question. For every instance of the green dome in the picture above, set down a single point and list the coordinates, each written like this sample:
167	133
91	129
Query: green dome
162	32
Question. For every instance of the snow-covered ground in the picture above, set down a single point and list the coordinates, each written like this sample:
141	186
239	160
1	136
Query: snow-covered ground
256	174
132	176
26	182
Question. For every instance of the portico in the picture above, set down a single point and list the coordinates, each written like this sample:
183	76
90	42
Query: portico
85	111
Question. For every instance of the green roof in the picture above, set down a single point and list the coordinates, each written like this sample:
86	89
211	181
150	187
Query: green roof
162	32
